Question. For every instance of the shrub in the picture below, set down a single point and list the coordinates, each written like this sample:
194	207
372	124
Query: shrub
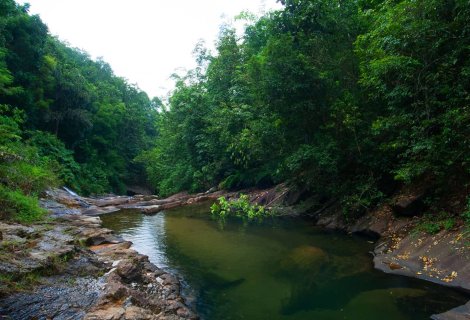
16	206
239	208
433	223
28	177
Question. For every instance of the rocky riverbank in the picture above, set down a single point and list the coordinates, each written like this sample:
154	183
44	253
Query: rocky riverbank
403	249
69	267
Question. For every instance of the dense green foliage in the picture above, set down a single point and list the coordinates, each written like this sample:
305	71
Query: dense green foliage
80	124
348	99
19	207
64	118
239	208
23	173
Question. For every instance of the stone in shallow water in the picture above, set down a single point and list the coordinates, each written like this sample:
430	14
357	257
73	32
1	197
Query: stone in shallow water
304	258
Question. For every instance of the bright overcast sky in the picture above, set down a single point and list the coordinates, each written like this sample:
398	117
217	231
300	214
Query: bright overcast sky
144	41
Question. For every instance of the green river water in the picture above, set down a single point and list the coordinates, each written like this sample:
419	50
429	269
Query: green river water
284	269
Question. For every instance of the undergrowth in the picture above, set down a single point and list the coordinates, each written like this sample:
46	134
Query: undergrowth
432	223
19	207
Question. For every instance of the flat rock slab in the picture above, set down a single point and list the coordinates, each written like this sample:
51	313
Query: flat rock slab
443	258
57	301
26	249
459	313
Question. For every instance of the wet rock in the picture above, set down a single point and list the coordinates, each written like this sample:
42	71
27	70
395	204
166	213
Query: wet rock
57	209
107	281
67	198
374	225
115	201
332	221
96	211
151	209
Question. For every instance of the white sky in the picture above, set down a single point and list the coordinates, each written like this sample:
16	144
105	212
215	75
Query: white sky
144	41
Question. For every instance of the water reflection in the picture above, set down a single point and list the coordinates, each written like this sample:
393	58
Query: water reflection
282	269
147	233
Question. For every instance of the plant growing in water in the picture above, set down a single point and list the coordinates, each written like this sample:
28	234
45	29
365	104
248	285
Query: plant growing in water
240	208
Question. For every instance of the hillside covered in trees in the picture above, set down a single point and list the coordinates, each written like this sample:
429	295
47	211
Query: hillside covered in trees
348	100
65	119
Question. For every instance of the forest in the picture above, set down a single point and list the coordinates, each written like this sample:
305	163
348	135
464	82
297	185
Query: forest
347	99
65	119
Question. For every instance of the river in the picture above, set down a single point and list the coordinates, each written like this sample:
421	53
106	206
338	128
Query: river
281	269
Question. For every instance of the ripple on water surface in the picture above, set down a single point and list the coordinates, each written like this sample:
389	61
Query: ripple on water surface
282	269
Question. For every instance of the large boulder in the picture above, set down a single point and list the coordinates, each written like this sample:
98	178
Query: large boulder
409	205
130	270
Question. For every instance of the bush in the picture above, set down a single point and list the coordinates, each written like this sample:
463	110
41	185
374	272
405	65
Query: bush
24	172
239	208
16	206
433	223
29	178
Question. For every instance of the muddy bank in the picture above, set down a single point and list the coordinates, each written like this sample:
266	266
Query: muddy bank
69	267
